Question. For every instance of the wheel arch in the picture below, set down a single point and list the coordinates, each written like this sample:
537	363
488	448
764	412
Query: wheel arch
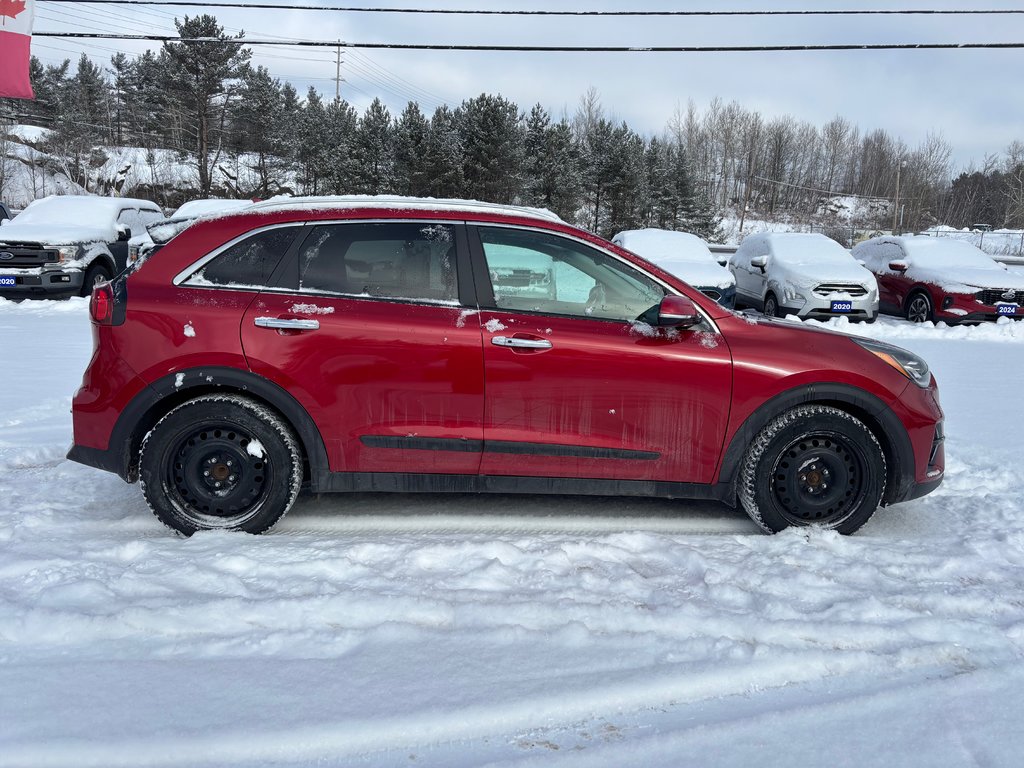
866	407
170	391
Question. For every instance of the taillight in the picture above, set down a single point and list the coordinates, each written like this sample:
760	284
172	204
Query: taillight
108	303
101	305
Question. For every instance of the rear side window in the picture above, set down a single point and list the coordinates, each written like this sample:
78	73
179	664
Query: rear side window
249	262
400	260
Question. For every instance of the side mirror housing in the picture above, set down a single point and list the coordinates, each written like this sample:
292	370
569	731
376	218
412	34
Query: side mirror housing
677	312
123	232
760	262
898	266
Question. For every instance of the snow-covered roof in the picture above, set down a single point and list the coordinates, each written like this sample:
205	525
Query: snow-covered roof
392	202
806	248
658	245
946	251
196	208
79	208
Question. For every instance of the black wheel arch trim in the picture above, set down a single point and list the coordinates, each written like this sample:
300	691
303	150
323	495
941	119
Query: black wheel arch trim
879	418
165	393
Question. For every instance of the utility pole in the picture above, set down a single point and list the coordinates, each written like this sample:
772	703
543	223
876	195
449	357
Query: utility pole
896	203
337	73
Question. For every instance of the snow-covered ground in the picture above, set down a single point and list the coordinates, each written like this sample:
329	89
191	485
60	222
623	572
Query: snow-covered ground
514	631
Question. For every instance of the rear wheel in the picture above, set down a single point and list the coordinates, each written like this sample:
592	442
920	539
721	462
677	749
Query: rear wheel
919	308
813	465
220	462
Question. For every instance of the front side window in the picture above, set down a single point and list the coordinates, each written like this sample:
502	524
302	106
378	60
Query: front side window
399	260
541	272
249	262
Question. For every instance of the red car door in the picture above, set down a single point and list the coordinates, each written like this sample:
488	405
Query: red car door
575	387
373	343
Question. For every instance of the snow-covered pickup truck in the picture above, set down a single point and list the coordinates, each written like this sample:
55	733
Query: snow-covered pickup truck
64	245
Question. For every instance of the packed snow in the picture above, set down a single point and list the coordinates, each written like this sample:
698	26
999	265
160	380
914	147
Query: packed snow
448	631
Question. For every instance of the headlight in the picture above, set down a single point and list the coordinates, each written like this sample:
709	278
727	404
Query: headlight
66	253
907	363
791	294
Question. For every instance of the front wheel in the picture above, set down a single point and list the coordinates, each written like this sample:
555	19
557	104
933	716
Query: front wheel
96	274
919	308
813	465
220	462
771	306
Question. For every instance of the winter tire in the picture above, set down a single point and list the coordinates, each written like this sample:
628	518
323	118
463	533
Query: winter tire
812	465
771	306
220	462
919	308
95	274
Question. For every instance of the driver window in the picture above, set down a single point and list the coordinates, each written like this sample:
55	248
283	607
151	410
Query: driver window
541	272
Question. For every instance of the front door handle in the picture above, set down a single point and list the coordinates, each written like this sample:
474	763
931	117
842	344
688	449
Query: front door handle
515	341
287	323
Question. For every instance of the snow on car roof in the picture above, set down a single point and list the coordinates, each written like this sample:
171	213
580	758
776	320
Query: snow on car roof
196	208
806	248
945	251
81	207
392	202
660	245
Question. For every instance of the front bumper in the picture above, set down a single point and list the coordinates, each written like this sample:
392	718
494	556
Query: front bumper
29	283
820	308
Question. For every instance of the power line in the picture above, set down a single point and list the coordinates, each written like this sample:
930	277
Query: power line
511	12
554	48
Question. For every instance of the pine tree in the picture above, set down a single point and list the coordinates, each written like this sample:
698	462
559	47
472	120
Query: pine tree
339	141
257	122
374	151
444	155
81	125
492	148
412	131
199	76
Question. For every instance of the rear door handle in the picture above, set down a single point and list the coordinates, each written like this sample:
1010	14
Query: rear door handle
287	323
513	341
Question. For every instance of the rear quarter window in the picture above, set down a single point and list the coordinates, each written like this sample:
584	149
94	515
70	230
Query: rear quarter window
248	263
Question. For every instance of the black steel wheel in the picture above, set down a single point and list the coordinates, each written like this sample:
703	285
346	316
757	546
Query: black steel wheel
813	465
771	305
220	462
919	308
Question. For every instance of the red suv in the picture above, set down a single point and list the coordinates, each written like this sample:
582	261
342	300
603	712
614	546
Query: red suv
399	345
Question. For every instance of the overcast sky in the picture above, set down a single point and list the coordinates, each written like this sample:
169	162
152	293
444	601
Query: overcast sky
972	97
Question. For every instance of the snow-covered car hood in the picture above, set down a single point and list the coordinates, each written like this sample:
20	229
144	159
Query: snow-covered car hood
965	278
832	273
56	234
699	274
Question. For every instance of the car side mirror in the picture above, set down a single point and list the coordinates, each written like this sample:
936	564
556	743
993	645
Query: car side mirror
760	262
123	232
723	261
862	263
898	266
677	312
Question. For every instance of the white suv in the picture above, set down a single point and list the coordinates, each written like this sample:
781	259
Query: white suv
807	275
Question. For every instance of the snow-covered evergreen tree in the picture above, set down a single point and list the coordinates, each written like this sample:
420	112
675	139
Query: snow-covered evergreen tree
412	134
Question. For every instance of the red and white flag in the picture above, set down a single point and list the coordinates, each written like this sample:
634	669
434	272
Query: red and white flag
15	36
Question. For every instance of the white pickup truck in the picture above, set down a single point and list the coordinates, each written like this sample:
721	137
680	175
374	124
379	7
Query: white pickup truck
64	245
